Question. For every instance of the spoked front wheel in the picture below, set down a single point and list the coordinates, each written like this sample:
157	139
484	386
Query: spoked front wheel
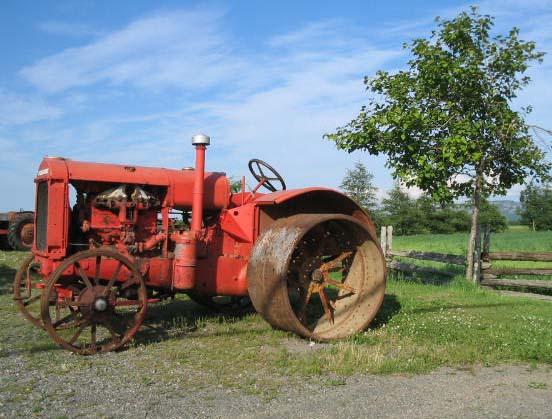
26	294
95	301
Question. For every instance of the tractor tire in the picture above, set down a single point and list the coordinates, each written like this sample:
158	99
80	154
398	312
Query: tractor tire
21	231
295	281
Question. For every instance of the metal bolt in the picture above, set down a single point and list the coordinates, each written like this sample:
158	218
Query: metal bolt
100	304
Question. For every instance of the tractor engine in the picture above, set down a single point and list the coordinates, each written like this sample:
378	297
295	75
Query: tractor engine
124	216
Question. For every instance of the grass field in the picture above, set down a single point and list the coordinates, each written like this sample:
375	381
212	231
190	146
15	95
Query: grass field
419	328
517	238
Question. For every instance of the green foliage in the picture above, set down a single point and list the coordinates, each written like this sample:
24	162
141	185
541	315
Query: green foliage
416	216
400	211
235	185
490	215
536	207
358	185
446	123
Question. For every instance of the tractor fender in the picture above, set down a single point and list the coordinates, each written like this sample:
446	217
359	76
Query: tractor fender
315	200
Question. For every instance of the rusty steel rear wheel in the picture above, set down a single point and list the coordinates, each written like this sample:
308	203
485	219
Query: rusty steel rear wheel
94	313
25	292
321	276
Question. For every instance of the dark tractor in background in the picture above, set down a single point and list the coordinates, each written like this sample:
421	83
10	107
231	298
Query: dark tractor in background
16	230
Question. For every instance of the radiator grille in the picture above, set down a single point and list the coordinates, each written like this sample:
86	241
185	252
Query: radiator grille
41	215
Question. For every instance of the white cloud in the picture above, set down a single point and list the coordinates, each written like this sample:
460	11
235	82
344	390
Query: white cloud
17	109
183	48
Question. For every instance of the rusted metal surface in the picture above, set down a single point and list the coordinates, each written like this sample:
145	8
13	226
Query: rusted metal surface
92	315
292	261
17	229
27	234
25	292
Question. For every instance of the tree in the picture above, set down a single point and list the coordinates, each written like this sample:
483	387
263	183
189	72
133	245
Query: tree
446	123
400	211
235	185
441	219
358	185
490	215
536	207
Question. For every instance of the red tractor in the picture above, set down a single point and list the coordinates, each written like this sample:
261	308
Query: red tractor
307	259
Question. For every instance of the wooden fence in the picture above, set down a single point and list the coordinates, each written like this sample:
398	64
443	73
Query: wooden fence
489	275
484	273
386	239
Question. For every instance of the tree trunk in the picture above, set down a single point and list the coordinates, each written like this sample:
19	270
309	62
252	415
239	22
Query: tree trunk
476	201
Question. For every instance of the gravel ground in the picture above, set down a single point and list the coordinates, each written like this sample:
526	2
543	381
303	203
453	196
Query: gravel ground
498	391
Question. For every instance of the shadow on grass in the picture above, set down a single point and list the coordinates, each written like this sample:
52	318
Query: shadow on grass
180	318
426	278
390	307
6	279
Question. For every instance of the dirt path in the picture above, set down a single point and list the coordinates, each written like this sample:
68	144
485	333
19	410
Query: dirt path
505	391
499	391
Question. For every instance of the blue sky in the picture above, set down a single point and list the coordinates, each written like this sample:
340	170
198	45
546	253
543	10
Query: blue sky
131	82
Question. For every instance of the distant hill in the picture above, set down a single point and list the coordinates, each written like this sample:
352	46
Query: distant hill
509	209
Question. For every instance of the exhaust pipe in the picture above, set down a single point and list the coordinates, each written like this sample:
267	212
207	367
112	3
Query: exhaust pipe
185	258
200	142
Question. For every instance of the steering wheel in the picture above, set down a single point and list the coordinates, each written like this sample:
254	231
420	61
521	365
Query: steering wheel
260	176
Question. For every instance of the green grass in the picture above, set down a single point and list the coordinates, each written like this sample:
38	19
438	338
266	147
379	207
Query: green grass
419	328
511	240
517	238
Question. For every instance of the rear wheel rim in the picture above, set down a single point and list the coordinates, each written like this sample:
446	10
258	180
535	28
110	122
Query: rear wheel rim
285	265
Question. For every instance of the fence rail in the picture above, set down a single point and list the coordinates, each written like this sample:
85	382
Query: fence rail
527	256
484	273
435	257
387	243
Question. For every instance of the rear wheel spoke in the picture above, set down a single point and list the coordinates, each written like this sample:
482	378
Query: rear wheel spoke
328	310
305	296
339	285
335	262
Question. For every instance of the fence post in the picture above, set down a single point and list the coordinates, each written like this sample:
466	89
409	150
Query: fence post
477	256
383	240
389	240
486	243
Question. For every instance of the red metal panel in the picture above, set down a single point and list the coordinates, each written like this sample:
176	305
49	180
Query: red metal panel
282	196
239	222
180	183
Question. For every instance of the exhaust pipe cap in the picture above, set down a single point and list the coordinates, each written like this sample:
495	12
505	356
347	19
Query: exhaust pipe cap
201	139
